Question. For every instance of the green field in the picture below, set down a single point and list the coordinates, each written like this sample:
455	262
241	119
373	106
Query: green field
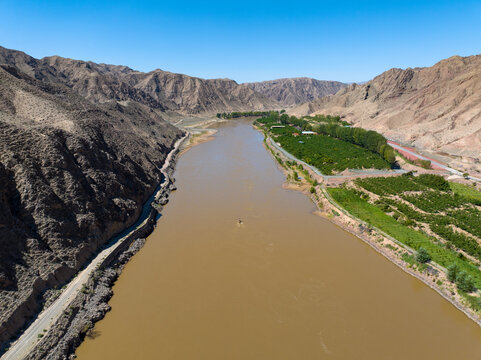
351	201
331	155
325	152
466	191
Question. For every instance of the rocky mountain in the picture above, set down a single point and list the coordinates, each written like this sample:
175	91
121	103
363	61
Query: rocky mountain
436	108
293	91
73	173
157	89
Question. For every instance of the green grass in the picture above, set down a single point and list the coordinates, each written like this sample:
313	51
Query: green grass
371	214
465	190
473	301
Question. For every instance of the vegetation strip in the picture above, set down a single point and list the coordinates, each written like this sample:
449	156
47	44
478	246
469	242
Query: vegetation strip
328	143
424	212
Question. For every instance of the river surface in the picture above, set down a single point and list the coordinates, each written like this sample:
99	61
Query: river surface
286	284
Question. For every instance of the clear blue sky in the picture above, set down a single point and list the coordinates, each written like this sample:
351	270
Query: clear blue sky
247	40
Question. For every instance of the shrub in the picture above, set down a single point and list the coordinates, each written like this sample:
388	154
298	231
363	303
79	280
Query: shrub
433	181
453	271
464	282
423	256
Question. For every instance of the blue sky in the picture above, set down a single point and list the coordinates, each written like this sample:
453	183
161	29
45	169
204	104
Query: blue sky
247	40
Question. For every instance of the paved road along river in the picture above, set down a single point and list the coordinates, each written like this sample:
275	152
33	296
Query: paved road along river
286	284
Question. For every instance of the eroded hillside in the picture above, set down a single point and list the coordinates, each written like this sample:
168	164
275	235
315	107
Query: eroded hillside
294	91
436	108
72	174
160	90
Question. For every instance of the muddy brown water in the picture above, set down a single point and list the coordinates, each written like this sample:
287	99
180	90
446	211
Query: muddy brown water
286	284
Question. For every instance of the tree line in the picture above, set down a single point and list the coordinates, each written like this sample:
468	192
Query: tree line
331	125
368	139
238	114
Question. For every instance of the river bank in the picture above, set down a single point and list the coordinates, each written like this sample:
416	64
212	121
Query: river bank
61	327
433	275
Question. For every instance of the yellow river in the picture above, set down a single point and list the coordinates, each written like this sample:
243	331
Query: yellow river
286	284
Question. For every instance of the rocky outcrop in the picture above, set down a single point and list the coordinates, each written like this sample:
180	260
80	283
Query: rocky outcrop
293	91
73	173
157	89
436	108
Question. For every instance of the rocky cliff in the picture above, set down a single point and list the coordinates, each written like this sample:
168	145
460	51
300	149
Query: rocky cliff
436	108
73	172
293	91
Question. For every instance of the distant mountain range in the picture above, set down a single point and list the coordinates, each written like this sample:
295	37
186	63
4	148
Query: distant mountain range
293	91
167	91
157	89
436	108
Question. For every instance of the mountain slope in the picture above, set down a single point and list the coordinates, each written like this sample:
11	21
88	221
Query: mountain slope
436	108
158	89
293	91
72	174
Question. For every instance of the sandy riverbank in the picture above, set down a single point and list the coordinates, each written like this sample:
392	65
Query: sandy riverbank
197	139
433	275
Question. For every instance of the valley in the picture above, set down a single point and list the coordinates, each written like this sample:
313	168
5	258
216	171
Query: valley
282	284
236	259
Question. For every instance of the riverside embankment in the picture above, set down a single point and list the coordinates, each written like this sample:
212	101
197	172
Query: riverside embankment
284	284
61	327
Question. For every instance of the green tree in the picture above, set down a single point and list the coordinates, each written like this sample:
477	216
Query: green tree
464	282
389	155
284	118
453	271
423	256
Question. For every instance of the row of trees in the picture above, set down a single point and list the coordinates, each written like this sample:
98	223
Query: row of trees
294	121
368	139
432	181
238	114
329	125
327	118
463	281
329	154
393	185
436	195
458	239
